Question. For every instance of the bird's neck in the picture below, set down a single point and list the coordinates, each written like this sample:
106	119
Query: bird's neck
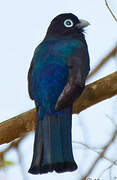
75	36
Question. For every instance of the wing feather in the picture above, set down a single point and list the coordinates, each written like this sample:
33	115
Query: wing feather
78	67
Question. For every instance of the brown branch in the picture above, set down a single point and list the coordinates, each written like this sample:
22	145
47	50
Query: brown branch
112	53
110	10
95	92
17	126
100	156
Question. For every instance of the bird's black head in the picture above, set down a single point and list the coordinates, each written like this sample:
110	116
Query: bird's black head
65	25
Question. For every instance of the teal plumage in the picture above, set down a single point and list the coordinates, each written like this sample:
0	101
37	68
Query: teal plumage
48	76
44	64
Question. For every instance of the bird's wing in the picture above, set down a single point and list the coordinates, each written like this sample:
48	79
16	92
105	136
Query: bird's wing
78	67
29	80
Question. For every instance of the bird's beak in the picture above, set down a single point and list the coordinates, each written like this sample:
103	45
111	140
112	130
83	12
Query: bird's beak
82	24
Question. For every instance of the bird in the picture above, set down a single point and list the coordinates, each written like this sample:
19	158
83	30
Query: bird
56	78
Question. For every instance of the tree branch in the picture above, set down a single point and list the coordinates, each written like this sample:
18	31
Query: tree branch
17	126
112	53
95	92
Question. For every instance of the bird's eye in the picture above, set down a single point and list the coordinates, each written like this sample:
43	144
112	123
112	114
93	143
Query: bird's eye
68	23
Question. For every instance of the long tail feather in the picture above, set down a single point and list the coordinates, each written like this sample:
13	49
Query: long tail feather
52	146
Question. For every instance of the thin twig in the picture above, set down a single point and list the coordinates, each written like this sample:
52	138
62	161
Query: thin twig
110	10
21	163
110	173
108	168
112	53
14	144
112	121
100	156
94	150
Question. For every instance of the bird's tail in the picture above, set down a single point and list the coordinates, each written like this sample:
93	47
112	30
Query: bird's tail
52	146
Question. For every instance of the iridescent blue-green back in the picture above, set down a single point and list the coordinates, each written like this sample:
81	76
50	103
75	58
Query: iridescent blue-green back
50	72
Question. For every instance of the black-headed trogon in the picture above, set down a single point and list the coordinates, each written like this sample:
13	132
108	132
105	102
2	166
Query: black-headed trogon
56	78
